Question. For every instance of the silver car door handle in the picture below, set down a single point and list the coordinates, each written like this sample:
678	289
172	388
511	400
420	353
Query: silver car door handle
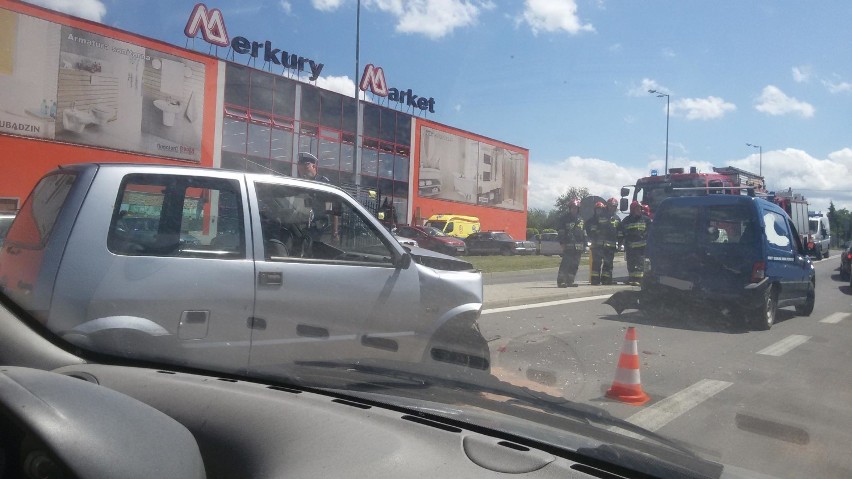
270	278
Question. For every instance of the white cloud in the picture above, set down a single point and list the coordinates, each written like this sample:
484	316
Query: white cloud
837	87
432	18
646	85
286	6
342	84
668	53
554	16
709	108
820	180
327	5
89	9
774	102
601	177
802	74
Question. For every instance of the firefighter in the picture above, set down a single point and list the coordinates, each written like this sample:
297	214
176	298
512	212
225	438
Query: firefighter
572	237
634	231
609	231
596	252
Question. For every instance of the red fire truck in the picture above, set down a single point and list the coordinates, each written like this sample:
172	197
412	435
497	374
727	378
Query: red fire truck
652	190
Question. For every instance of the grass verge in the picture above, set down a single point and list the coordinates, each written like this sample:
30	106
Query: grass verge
494	264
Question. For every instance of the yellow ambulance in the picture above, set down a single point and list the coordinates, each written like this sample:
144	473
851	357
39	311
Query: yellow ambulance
454	225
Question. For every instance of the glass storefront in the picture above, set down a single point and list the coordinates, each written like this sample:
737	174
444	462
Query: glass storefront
263	132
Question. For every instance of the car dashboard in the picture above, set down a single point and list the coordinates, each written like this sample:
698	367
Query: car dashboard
65	417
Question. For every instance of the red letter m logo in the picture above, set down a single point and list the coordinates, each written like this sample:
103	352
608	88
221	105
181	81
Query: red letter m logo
210	22
374	79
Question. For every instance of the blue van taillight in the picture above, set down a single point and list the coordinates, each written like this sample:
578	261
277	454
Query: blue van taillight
758	271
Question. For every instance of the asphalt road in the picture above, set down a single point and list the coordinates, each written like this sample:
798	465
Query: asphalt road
777	401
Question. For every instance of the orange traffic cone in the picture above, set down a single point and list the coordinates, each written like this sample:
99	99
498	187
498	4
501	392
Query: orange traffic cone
627	387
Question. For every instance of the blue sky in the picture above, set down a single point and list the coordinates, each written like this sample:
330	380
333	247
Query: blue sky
568	79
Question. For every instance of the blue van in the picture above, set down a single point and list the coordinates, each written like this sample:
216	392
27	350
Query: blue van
735	254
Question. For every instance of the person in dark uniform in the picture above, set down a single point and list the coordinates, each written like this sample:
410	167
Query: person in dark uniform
595	253
603	231
307	168
634	229
572	237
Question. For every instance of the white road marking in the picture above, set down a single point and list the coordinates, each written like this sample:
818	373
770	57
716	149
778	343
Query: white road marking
785	345
672	407
545	304
834	318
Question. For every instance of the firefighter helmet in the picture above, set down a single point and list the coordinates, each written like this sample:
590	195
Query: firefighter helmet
600	204
574	204
612	202
636	206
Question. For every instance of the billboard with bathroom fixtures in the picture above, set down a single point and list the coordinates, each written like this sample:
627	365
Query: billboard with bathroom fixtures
81	87
457	166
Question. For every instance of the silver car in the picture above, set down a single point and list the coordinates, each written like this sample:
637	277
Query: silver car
548	244
286	269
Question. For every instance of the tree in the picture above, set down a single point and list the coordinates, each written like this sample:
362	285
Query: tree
573	193
537	218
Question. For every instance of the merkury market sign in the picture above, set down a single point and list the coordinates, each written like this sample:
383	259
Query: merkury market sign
211	24
373	79
212	27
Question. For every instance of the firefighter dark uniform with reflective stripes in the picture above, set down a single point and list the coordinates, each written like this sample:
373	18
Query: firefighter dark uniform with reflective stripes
572	237
603	232
634	230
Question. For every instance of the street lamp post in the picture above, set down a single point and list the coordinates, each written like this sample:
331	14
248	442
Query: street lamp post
357	90
760	157
660	95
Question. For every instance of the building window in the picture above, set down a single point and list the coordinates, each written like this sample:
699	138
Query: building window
261	93
400	170
234	135
285	97
310	105
237	85
258	140
331	109
386	161
387	127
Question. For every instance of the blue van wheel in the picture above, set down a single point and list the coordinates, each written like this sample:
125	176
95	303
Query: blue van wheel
764	316
807	308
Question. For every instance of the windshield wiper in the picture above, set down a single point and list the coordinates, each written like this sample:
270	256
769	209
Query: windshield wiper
486	383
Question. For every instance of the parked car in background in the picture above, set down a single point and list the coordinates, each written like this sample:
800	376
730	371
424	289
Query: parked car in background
433	239
846	261
5	223
498	242
402	239
547	244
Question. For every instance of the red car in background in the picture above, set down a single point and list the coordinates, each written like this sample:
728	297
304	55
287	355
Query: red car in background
433	239
846	262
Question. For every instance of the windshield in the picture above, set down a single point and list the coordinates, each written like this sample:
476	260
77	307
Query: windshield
215	186
432	231
437	224
813	226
